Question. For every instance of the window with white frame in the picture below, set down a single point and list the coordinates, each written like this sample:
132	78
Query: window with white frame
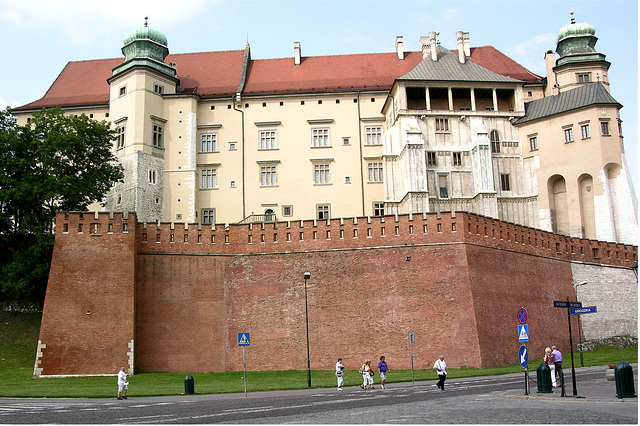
321	174
432	159
320	138
373	135
378	208
533	143
209	178
268	176
208	216
442	186
568	135
287	210
375	172
158	138
209	142
323	211
442	124
505	184
153	176
268	139
120	132
495	141
604	127
585	131
457	158
583	78
158	89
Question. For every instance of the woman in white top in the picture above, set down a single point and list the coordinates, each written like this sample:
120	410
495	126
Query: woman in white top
339	368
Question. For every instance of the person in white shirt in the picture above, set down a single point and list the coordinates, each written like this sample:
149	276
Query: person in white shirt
441	367
123	385
339	368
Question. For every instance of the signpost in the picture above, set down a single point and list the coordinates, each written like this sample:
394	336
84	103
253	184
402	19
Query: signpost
243	340
523	354
412	339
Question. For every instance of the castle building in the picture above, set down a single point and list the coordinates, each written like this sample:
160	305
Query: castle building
218	137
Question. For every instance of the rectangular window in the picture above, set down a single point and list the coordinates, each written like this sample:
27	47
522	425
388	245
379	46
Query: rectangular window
158	89
442	124
209	142
504	182
373	135
323	211
233	146
320	137
442	184
268	139
209	179
208	216
153	176
533	143
457	159
157	136
321	174
568	135
123	90
604	126
120	137
378	209
375	172
585	131
287	210
268	176
583	78
432	159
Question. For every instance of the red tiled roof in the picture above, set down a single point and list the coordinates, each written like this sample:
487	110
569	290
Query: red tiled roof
217	74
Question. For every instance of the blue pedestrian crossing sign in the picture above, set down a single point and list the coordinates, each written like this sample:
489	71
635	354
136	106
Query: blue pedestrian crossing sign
523	332
523	356
243	339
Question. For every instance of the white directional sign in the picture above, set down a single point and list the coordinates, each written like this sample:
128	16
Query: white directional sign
243	339
523	332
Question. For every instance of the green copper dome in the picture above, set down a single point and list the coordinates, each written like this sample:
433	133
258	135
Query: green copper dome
574	29
577	42
145	32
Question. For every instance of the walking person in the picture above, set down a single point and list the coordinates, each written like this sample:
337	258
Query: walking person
557	361
123	385
339	368
382	370
367	375
549	360
441	368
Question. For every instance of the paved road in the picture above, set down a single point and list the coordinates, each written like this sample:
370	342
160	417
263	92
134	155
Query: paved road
496	399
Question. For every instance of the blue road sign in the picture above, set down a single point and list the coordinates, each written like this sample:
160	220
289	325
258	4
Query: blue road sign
522	316
523	333
587	310
523	356
243	339
563	304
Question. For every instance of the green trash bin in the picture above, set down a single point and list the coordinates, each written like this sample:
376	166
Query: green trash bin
188	386
624	380
543	377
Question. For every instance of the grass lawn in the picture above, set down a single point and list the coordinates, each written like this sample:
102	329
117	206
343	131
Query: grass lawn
19	337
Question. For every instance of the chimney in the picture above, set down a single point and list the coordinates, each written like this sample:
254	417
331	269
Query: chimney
399	48
424	42
550	62
296	52
461	54
467	49
434	48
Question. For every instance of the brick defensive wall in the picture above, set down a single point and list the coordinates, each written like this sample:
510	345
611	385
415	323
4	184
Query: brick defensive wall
173	296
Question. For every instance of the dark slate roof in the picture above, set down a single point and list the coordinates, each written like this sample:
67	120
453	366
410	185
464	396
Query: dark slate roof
449	68
580	97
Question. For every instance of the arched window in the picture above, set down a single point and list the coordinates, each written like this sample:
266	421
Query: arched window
495	141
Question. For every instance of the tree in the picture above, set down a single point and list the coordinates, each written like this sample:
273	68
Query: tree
55	162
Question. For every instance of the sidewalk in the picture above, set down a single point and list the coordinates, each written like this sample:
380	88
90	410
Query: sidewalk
597	388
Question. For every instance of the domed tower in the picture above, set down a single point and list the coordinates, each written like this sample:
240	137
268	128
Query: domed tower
579	63
137	109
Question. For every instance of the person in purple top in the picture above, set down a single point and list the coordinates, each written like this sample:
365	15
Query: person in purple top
382	368
557	361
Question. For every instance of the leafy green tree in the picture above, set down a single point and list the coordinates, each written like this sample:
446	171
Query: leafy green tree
55	162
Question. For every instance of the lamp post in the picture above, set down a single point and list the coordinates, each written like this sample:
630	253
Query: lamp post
634	267
307	275
575	287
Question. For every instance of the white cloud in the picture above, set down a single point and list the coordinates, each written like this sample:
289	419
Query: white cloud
530	53
84	22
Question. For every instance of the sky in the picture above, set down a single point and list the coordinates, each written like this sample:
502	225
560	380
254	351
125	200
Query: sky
41	36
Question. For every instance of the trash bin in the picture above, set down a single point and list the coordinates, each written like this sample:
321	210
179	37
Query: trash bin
543	377
624	380
188	386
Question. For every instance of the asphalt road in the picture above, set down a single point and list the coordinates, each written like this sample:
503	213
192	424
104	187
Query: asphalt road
496	399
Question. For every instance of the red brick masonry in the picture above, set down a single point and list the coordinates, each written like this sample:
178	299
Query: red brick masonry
181	293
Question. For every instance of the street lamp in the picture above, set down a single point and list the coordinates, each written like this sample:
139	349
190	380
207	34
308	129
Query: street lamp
307	275
575	287
634	267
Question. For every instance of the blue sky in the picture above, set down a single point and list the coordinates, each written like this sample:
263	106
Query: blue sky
41	36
